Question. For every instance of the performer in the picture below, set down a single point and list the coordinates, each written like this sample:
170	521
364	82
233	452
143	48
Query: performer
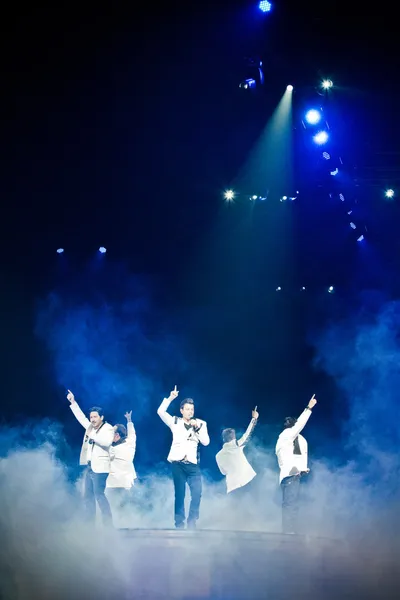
122	452
291	451
187	432
231	460
95	456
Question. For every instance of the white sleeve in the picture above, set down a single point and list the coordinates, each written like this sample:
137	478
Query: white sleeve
79	415
163	414
104	437
131	437
202	434
293	432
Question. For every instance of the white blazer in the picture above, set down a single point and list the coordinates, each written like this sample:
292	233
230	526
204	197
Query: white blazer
185	441
232	461
122	472
290	463
96	444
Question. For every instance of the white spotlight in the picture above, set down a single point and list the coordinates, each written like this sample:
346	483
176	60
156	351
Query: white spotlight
326	84
229	195
289	88
102	250
60	250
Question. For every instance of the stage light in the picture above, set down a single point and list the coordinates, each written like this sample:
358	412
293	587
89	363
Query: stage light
352	225
321	138
289	88
360	239
335	172
60	250
313	116
303	289
229	195
389	193
326	84
102	250
326	155
331	289
265	6
254	198
278	289
341	197
248	84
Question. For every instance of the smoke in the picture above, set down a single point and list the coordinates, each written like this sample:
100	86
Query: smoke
111	348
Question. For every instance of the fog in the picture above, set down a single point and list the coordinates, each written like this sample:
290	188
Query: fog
48	551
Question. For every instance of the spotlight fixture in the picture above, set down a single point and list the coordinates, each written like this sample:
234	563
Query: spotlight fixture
102	250
289	88
313	116
389	193
331	289
265	6
327	84
321	138
229	195
60	250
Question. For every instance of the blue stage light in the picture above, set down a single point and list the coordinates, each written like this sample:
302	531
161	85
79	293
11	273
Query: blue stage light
265	6
313	116
60	250
389	193
321	138
102	250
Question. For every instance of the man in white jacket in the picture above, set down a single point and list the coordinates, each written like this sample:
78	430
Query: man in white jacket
94	455
291	451
122	472
187	433
232	461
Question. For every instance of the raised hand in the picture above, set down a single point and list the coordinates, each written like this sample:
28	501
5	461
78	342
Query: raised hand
128	416
70	397
312	402
254	413
174	394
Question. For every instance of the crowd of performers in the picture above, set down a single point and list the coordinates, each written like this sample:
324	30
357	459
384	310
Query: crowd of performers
108	454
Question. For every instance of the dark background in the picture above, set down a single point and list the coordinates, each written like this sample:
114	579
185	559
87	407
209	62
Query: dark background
122	128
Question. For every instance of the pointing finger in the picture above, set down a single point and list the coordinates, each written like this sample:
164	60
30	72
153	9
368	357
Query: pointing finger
255	410
175	390
313	396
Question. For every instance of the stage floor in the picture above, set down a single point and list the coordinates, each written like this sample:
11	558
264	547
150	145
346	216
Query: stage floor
236	565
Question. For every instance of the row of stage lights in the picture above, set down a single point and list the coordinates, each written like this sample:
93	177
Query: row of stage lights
101	250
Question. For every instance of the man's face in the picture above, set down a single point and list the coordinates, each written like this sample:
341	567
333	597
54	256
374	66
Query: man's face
187	411
95	419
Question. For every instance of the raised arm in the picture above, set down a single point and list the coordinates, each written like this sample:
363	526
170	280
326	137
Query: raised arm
79	414
162	409
246	436
294	431
131	433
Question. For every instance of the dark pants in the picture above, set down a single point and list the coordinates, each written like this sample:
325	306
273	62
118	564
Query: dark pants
290	503
94	487
183	473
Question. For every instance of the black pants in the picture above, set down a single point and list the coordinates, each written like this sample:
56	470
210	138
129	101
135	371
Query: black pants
94	488
290	503
183	473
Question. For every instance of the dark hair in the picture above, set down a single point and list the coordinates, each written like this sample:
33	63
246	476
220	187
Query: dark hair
289	422
228	435
98	410
186	401
121	430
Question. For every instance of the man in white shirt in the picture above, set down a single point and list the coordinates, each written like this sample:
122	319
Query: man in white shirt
291	451
232	461
187	432
122	472
94	455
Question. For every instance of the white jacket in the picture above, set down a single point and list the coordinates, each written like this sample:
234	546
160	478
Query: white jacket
232	461
122	472
185	440
97	453
290	463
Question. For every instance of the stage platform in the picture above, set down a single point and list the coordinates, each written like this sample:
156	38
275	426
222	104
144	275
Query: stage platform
237	565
